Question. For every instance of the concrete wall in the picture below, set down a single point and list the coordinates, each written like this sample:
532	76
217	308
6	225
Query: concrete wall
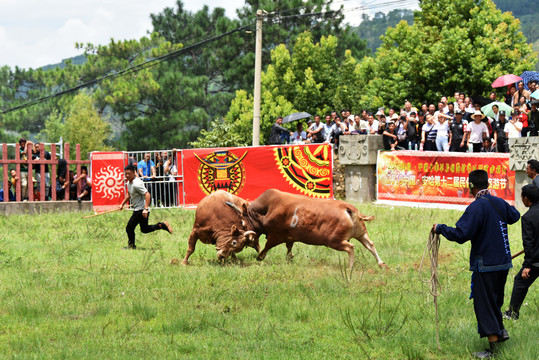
358	154
37	207
522	150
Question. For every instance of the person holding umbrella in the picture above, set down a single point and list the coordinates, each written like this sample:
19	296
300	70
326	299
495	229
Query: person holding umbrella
276	130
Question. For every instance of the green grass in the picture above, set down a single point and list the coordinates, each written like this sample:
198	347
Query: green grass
68	291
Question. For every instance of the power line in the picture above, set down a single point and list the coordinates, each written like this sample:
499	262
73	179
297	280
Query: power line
277	15
129	70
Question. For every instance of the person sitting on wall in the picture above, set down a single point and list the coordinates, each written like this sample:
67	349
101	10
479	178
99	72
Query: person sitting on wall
85	184
299	136
10	193
316	132
277	130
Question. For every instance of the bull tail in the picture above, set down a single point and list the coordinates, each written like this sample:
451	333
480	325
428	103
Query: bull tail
359	215
365	217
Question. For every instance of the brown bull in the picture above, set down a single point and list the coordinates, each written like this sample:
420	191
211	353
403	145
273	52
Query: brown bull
287	218
218	224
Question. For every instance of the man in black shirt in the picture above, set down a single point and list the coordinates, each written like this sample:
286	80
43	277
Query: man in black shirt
500	137
277	130
457	133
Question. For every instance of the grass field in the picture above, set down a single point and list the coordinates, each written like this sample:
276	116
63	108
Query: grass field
69	291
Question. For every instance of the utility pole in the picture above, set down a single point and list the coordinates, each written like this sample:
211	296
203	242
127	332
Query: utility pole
258	74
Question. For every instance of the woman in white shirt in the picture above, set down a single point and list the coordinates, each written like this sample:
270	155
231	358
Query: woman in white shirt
513	128
441	125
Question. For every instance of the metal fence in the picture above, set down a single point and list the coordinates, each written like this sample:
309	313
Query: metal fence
162	174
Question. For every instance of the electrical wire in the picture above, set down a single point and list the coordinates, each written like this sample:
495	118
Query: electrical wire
276	15
131	69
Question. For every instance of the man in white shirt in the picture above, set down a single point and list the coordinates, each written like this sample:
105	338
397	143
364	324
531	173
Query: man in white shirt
299	135
316	132
478	131
372	126
139	198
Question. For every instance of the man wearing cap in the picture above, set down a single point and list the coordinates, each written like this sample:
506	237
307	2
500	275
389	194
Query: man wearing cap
500	136
457	133
477	131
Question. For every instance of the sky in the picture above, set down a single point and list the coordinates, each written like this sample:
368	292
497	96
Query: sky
35	33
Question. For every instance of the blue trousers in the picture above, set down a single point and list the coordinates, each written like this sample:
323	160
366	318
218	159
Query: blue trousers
487	293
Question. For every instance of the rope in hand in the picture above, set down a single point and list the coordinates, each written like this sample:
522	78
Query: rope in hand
433	244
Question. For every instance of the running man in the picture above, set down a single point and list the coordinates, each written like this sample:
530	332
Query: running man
140	203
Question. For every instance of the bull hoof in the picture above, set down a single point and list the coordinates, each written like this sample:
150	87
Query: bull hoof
260	258
290	256
383	266
185	263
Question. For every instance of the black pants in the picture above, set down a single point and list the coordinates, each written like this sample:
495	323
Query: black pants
487	292
136	219
477	147
520	289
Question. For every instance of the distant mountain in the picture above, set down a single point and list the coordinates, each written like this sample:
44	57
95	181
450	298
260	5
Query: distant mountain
77	60
371	29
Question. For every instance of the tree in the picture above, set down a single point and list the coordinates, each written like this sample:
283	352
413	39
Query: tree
305	79
226	66
84	125
452	46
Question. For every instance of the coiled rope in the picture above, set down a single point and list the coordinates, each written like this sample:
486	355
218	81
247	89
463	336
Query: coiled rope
433	244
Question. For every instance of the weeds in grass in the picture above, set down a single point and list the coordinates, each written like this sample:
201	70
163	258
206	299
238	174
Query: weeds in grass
142	310
385	323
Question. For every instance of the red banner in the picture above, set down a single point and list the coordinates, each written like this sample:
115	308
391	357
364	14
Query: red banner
107	179
247	172
438	177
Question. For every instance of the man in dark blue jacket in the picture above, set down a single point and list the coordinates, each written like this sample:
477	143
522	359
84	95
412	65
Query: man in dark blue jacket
530	239
485	223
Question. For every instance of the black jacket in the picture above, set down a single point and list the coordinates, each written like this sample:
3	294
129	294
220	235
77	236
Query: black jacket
530	236
275	134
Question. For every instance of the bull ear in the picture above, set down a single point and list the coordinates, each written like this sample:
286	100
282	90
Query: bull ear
233	230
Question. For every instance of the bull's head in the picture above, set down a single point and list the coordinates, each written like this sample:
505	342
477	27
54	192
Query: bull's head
234	242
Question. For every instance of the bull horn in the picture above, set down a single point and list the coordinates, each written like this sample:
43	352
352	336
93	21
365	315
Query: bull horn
234	206
249	232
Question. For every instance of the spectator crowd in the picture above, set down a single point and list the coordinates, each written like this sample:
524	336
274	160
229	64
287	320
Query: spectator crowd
458	125
66	180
